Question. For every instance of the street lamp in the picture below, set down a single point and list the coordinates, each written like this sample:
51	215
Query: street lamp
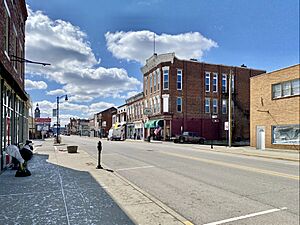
57	115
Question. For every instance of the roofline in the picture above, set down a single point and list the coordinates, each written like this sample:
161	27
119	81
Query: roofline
284	68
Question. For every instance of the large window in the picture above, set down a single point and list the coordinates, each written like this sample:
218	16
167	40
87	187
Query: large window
158	78
286	134
207	105
285	89
150	83
166	78
6	29
146	85
224	83
154	80
207	81
179	104
215	106
224	106
215	82
179	79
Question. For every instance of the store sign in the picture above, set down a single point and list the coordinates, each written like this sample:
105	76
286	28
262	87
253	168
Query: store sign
42	120
147	111
226	125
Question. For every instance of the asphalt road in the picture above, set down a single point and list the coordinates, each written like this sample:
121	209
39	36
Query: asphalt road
205	186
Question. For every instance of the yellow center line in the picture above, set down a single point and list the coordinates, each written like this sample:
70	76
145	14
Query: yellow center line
247	168
188	223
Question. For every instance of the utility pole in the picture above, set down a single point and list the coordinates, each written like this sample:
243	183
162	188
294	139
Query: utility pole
229	109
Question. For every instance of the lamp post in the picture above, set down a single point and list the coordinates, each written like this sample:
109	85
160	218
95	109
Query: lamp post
57	115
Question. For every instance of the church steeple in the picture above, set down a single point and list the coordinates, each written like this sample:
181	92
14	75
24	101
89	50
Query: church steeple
37	112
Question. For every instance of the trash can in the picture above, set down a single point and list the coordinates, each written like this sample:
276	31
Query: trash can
72	149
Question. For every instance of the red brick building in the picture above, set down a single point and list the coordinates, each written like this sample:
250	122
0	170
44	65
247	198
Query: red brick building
103	121
14	101
184	94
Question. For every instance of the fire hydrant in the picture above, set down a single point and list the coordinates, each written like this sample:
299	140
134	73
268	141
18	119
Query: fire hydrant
99	147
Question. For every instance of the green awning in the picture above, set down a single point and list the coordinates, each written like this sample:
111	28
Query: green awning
154	123
150	124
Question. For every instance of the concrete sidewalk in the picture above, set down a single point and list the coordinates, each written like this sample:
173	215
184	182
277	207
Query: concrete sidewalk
68	189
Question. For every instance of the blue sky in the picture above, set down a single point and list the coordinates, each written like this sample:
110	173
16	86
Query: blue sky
96	48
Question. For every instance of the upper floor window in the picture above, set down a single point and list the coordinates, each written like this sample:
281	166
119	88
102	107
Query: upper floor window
154	80
179	79
215	82
179	104
285	89
150	83
6	29
224	83
207	105
207	81
158	78
224	106
166	78
215	105
146	85
232	83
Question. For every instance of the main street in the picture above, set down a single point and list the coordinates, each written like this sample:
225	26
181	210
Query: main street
205	186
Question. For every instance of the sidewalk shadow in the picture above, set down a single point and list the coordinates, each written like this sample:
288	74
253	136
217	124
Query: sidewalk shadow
56	195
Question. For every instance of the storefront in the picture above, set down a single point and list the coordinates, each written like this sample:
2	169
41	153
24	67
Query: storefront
138	130
155	129
14	120
129	130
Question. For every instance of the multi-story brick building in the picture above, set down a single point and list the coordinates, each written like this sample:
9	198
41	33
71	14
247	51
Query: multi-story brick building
103	121
275	109
135	122
182	95
14	100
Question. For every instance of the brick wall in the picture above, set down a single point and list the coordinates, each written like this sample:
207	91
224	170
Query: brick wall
266	111
18	16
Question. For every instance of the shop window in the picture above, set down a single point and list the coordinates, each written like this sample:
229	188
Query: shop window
286	134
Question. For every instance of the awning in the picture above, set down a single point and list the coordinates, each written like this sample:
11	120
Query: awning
150	124
154	123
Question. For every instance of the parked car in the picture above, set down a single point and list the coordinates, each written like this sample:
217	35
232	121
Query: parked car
189	137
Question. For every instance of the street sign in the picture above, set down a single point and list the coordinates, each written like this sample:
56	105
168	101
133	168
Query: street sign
54	112
147	111
214	116
226	125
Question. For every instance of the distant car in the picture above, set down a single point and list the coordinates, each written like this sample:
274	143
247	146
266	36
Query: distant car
189	137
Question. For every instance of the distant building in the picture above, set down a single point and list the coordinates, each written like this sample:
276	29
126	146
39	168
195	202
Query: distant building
135	122
275	109
184	95
14	100
103	121
79	127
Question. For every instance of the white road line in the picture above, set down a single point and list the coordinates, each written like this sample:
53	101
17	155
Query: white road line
62	190
135	168
246	216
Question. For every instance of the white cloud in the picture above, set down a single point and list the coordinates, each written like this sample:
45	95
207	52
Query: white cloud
138	45
56	92
31	85
79	98
73	63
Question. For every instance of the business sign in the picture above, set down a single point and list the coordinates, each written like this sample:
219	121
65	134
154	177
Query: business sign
226	125
42	120
147	111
